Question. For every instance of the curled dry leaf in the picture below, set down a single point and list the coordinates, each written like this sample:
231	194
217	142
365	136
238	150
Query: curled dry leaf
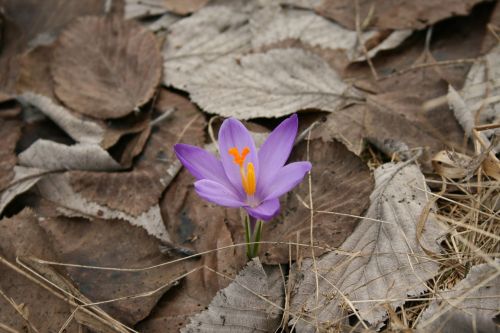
471	305
212	33
341	183
194	223
394	14
252	302
112	78
271	84
23	180
53	156
113	244
21	236
382	262
57	189
156	167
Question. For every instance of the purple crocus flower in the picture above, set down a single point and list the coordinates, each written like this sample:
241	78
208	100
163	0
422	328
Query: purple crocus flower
245	177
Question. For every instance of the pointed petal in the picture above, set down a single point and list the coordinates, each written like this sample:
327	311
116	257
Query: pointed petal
233	134
201	163
275	151
266	210
287	178
217	193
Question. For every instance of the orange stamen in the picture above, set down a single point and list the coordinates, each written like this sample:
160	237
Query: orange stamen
247	178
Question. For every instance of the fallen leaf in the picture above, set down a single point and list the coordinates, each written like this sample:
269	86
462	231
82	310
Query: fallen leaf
154	170
252	302
22	236
141	8
115	76
23	180
53	156
10	132
211	33
392	14
471	305
196	224
273	24
112	243
57	189
341	183
382	262
271	84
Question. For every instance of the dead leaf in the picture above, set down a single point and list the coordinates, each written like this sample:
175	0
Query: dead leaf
252	302
57	189
23	180
382	262
112	78
211	33
52	156
341	183
10	132
202	226
141	8
156	167
113	244
22	236
273	24
391	14
271	84
471	305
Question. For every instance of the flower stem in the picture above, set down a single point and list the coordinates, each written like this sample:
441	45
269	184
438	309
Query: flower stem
253	234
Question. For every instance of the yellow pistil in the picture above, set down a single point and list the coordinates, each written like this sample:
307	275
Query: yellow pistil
247	178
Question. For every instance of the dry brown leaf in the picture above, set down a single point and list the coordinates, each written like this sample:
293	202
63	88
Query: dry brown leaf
53	156
211	33
10	132
57	189
194	223
113	244
155	168
271	84
22	236
381	263
112	78
470	306
341	183
252	302
394	14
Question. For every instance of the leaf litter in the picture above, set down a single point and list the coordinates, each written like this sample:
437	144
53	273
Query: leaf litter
101	223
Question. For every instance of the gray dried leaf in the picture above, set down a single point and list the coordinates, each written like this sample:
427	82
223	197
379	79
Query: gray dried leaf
470	306
273	24
271	84
57	189
78	127
253	302
24	179
385	260
143	8
53	156
209	34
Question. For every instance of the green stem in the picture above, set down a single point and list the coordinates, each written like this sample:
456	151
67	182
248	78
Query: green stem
257	236
248	237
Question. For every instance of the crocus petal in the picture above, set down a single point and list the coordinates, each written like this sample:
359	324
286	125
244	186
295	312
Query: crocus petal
217	193
287	178
275	151
266	210
201	163
233	134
